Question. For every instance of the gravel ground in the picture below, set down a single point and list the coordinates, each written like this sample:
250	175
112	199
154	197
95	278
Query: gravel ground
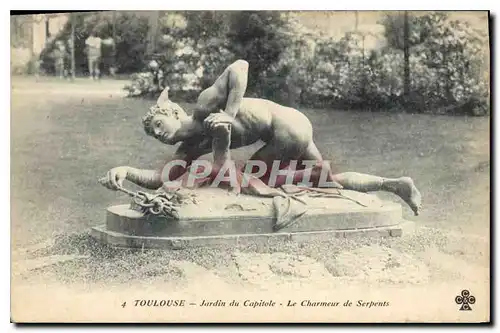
421	256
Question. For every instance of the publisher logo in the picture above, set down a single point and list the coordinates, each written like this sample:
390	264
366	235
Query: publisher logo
465	299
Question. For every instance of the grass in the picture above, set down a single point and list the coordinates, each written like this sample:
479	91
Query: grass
62	143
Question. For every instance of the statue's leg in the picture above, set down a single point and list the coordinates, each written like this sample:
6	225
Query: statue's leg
285	154
260	185
267	155
275	151
404	187
319	170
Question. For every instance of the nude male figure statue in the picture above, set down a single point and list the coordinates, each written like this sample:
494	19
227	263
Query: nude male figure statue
224	119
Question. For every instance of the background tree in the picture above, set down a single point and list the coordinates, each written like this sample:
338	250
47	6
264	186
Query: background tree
406	53
402	32
259	38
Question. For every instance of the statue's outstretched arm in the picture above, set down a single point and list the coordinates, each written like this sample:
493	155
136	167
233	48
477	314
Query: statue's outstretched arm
150	179
154	179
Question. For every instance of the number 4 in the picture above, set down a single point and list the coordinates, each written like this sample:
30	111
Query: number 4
124	304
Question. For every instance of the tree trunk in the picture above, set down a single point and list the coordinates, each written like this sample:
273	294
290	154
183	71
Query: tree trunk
448	93
113	64
114	26
47	28
153	31
406	50
363	73
72	46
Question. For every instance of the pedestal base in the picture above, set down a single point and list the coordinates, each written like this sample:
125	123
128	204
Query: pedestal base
221	218
122	240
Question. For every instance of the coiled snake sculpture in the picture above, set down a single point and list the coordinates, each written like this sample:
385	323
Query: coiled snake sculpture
161	204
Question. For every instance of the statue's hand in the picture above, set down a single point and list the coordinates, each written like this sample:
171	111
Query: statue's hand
114	178
216	121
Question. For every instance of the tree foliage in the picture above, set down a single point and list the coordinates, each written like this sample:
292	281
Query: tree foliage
293	65
259	38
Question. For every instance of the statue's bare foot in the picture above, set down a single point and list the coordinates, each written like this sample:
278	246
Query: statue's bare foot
406	189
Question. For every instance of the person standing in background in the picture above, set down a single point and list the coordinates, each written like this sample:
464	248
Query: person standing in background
108	55
93	50
37	67
59	57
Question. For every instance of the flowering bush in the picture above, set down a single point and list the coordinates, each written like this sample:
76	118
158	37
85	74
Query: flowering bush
446	62
142	84
185	66
336	73
447	59
452	59
189	53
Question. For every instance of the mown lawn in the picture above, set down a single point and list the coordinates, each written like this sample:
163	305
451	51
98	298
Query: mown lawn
61	143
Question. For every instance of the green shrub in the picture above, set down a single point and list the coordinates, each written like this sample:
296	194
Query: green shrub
446	69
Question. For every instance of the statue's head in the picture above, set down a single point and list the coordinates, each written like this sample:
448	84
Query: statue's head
163	120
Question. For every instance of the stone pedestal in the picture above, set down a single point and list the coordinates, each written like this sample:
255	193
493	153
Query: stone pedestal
219	217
